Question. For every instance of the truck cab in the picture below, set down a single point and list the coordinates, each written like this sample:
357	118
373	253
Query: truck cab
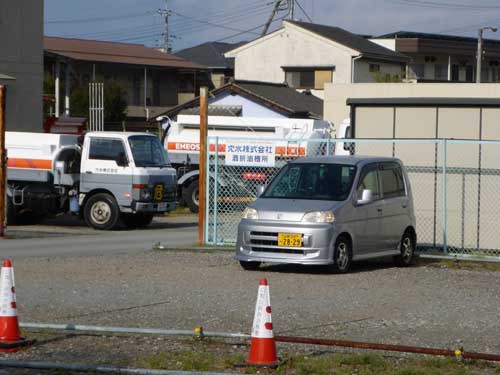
127	175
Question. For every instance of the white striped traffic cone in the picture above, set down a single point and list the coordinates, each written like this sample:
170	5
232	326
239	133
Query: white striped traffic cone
262	346
10	337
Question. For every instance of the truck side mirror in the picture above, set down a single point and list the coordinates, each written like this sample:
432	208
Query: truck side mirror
366	197
260	190
121	160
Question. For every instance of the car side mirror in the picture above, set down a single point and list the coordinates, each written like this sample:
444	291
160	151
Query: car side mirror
260	190
121	160
366	197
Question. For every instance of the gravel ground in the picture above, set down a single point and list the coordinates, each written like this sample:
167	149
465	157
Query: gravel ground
422	305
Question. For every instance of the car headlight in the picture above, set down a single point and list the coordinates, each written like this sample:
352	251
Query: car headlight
319	217
250	214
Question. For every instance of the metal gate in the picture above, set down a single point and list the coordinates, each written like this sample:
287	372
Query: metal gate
455	187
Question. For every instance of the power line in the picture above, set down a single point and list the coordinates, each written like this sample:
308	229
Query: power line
303	11
444	5
98	19
247	31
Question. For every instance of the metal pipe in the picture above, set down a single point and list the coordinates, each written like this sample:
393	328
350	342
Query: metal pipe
152	331
67	78
389	347
57	87
39	365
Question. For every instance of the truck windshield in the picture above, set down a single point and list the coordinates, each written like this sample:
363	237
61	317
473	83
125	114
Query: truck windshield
147	151
312	181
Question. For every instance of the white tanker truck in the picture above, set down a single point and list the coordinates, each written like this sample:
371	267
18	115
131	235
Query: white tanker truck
105	177
181	139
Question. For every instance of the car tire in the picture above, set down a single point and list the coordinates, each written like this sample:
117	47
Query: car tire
136	220
101	212
406	249
250	266
191	196
342	255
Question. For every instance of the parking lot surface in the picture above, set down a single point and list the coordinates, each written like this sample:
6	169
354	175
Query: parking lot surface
423	305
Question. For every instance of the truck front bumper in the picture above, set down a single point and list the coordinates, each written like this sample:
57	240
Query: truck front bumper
156	207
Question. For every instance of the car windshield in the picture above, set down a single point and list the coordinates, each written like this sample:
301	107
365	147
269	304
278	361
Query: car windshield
312	181
147	151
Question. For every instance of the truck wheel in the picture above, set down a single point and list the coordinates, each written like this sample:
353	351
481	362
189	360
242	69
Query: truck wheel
101	212
11	212
137	220
191	196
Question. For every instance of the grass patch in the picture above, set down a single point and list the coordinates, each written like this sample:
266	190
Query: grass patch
461	264
209	357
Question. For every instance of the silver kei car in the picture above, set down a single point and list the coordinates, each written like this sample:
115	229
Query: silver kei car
330	211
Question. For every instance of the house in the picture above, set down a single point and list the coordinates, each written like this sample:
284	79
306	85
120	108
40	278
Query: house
308	55
444	58
152	81
256	100
211	55
21	63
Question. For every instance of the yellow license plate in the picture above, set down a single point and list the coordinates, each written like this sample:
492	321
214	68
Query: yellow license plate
158	193
289	240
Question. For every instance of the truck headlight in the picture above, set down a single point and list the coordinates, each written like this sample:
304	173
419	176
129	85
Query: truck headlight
319	217
250	214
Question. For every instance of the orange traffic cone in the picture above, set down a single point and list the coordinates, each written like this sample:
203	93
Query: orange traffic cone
262	345
10	337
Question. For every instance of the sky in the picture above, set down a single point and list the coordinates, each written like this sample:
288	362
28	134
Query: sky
193	22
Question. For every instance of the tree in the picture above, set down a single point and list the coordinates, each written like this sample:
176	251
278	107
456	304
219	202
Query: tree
115	107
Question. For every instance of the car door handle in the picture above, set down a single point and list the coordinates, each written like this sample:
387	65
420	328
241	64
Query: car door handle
88	172
379	209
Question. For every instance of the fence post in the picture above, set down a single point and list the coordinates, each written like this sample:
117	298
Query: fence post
445	226
216	175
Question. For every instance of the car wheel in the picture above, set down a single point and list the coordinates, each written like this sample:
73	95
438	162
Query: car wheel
406	249
101	212
250	266
342	255
191	196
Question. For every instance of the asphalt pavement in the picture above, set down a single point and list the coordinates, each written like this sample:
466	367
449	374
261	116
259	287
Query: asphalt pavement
68	236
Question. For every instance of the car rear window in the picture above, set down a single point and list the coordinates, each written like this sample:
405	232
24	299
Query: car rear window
392	181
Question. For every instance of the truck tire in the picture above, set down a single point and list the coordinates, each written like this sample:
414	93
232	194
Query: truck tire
191	195
137	220
101	212
12	218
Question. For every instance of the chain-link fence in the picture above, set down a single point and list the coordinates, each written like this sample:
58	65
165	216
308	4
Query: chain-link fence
454	185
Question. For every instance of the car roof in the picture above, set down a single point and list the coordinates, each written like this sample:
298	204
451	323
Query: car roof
346	159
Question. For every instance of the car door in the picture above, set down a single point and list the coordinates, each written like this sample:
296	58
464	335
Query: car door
100	169
395	204
367	225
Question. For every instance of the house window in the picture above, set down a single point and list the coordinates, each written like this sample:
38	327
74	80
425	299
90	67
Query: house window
455	73
440	72
136	90
186	83
156	92
308	78
469	73
485	75
374	68
417	71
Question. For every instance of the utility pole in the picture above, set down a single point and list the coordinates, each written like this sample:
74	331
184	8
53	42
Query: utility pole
480	50
203	178
271	17
165	13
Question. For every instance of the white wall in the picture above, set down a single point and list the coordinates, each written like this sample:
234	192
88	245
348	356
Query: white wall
335	108
262	59
250	108
387	43
21	56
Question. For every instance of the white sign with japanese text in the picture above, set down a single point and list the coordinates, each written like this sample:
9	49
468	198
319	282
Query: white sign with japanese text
250	154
